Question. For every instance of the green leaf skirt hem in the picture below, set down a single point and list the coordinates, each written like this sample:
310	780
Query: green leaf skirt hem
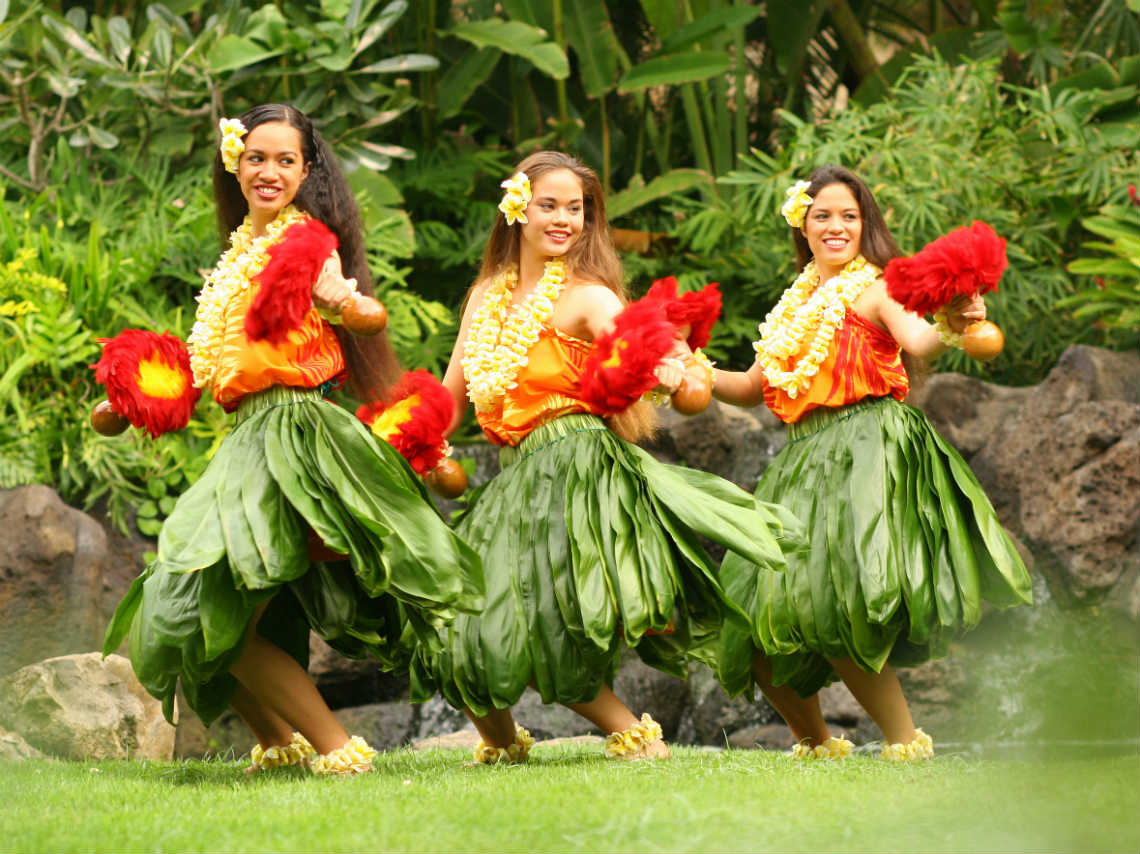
238	538
904	547
588	544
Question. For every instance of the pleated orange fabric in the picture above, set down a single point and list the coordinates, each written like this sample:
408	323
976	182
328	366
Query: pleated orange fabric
546	388
863	361
309	356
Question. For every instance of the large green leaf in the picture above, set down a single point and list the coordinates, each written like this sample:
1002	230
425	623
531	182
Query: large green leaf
75	40
380	25
376	187
674	70
516	38
231	52
672	182
463	78
665	16
403	63
718	22
591	33
791	28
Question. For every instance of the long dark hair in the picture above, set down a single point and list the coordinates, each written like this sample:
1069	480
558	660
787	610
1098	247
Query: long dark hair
324	194
877	244
592	258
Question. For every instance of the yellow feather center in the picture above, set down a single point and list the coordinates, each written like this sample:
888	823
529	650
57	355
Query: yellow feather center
615	359
156	378
394	417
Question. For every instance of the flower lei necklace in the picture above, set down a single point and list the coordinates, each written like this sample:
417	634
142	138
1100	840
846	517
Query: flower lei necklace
238	265
500	338
808	314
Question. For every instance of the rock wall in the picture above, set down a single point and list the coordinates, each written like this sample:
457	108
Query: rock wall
1061	462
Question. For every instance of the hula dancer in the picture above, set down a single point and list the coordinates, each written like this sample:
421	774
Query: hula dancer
588	544
904	544
302	520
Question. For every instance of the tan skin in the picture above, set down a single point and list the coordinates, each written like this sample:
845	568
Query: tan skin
585	310
276	695
833	228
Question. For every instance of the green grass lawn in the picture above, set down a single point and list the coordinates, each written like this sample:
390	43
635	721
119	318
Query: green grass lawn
570	799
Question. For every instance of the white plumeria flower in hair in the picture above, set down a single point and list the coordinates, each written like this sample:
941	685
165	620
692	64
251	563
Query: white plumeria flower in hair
796	204
516	198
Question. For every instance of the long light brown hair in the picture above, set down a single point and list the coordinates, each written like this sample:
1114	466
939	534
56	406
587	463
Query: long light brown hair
592	258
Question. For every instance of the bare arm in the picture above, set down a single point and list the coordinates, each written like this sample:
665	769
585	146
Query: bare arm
912	333
743	388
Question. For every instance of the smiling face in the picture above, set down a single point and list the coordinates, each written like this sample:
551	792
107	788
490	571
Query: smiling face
271	170
556	213
834	229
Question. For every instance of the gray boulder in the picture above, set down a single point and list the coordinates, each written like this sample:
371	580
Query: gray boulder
13	746
52	559
83	707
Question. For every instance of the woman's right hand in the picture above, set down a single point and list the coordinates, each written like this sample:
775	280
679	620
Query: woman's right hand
670	374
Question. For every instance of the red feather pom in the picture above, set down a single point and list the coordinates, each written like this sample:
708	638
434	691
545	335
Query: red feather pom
619	369
699	310
285	292
148	379
413	419
965	261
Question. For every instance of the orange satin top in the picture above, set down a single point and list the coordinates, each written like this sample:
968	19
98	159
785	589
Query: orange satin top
309	356
862	361
546	388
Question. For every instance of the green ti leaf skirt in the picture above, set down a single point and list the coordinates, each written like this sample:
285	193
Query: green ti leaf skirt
590	544
237	539
904	548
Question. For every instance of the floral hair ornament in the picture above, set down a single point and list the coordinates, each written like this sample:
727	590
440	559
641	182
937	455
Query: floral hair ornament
516	198
796	204
233	143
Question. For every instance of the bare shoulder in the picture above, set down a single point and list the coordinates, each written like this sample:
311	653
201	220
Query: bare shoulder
585	309
590	294
871	302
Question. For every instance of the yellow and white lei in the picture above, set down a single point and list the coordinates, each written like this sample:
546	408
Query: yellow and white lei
807	315
499	338
354	758
831	748
921	747
233	273
296	752
635	740
513	754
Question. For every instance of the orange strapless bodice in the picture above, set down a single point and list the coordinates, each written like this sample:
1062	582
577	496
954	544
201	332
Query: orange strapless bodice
309	356
863	361
545	388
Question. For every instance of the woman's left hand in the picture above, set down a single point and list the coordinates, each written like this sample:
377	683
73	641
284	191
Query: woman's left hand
332	290
965	309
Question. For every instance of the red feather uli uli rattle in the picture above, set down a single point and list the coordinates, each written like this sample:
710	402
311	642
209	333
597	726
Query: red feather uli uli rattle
967	261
